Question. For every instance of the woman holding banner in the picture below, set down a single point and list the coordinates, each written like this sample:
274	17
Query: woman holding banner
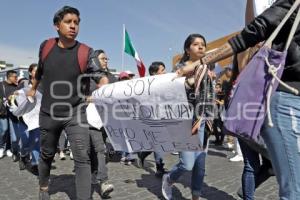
194	49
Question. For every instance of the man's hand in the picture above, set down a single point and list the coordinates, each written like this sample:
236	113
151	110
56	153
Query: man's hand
178	74
89	99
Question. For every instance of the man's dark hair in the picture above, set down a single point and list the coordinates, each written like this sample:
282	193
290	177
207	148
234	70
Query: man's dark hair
10	72
154	67
59	15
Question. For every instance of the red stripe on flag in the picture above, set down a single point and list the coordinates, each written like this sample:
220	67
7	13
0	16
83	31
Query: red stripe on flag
141	69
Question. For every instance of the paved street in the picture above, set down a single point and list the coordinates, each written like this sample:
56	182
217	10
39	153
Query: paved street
131	183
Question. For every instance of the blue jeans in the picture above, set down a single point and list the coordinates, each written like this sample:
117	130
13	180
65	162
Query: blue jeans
14	131
194	161
158	158
3	132
254	173
29	143
283	143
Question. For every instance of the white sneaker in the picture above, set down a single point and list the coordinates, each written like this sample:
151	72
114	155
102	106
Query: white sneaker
9	153
237	158
175	153
71	155
166	187
1	153
228	146
62	156
106	189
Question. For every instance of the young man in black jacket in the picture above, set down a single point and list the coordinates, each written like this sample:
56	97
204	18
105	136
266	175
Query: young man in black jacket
62	104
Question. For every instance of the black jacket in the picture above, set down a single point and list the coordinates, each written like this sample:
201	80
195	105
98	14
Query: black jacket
262	27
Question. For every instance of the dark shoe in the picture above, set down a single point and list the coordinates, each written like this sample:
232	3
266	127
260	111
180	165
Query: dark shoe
23	162
44	195
217	142
271	172
160	170
160	173
34	170
141	158
106	189
15	157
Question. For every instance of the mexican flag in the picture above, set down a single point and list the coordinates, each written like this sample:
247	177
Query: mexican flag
129	49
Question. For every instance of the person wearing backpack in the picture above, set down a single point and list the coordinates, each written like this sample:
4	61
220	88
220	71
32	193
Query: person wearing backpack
62	61
282	140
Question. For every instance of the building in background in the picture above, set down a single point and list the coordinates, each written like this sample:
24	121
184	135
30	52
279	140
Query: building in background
22	70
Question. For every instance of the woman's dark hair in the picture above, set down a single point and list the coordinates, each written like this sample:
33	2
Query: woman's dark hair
98	52
31	67
187	43
155	66
59	15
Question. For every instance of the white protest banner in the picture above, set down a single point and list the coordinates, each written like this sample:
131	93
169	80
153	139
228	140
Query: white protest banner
31	118
260	5
147	114
22	107
93	117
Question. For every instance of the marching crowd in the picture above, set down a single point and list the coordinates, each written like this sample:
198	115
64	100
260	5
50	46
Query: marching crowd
63	126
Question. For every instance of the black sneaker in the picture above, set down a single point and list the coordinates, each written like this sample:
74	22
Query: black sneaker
106	189
44	195
141	158
23	162
160	170
34	170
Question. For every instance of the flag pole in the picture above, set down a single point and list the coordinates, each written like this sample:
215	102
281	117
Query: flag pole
123	47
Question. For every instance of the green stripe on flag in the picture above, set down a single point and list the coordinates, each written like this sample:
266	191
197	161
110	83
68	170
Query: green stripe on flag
128	45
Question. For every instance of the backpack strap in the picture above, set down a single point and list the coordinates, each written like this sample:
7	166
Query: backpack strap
47	48
83	55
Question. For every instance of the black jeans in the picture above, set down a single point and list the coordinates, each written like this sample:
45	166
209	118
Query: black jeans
63	141
80	143
98	164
